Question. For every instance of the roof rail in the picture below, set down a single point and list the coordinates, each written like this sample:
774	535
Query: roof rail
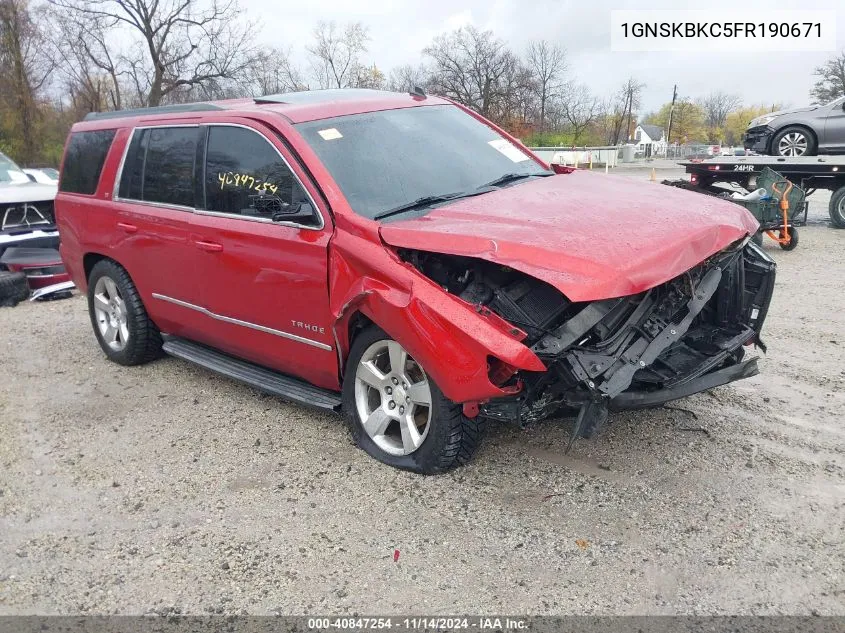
308	97
168	109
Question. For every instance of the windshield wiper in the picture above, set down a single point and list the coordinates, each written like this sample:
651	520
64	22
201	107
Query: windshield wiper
428	200
506	178
420	202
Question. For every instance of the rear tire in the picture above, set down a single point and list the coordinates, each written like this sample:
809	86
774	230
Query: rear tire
13	288
123	329
448	438
837	208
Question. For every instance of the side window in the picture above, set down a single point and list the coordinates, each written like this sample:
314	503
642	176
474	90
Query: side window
133	166
242	166
84	158
159	166
169	167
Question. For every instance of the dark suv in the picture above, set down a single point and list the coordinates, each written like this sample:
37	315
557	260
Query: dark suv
400	258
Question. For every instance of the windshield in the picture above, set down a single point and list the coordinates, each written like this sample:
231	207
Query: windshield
9	171
385	160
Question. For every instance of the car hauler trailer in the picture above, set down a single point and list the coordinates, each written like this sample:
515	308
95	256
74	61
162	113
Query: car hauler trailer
810	173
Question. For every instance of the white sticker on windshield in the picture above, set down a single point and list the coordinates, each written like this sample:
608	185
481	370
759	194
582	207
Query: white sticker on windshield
330	134
508	149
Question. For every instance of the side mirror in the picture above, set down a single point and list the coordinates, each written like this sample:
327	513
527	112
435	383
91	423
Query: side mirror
296	212
31	178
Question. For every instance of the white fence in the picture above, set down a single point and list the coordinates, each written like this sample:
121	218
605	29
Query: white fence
585	157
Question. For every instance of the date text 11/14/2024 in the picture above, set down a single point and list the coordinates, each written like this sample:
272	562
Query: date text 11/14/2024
480	623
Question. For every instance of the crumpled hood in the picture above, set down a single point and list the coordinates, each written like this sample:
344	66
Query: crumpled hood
589	235
14	192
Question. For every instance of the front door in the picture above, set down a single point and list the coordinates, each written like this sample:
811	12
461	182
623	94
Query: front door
834	128
265	281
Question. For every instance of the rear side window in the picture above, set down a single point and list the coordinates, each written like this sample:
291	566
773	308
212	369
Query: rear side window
159	166
84	158
133	167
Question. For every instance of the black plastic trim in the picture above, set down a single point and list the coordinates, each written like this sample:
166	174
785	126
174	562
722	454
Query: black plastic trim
256	376
639	399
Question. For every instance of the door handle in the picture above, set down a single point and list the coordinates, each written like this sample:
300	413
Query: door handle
211	247
127	228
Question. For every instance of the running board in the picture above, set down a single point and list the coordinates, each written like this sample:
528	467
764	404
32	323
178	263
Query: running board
254	375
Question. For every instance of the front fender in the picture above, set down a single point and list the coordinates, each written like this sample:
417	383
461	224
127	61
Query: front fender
447	336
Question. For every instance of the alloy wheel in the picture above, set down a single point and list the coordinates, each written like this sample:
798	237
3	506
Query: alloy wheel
111	314
793	144
392	398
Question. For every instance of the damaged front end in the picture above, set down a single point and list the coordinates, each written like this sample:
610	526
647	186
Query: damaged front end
678	338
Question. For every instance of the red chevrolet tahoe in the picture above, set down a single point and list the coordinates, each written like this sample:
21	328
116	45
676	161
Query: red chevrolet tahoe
400	259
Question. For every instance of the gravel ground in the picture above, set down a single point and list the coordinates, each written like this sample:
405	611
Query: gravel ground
165	487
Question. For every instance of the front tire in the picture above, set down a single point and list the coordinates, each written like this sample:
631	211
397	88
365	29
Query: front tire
397	413
123	329
793	141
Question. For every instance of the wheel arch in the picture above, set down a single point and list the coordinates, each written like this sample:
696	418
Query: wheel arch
802	126
89	260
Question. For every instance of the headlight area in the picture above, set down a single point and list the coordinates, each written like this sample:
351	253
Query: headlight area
684	336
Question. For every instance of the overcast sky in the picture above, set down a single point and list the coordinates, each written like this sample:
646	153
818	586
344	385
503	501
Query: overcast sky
400	29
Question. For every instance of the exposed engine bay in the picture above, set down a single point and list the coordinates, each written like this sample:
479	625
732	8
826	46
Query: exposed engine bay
681	337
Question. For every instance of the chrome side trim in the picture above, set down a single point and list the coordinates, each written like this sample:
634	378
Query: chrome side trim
254	326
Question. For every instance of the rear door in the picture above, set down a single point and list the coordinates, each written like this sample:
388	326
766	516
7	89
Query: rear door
265	281
155	199
834	128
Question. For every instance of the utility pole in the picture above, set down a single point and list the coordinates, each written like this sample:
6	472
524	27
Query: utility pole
671	112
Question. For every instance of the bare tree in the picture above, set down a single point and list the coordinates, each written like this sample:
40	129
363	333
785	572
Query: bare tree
369	77
23	71
579	108
831	82
518	96
184	46
547	63
335	53
620	111
716	107
474	68
404	78
616	112
632	91
90	68
272	72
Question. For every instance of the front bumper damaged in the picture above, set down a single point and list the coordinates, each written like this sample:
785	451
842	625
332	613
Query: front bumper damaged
682	337
641	399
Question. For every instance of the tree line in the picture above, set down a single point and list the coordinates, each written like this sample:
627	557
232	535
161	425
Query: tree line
61	59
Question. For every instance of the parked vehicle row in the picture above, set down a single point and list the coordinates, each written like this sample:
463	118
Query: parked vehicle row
29	257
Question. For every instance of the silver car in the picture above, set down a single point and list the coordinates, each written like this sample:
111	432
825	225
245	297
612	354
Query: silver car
807	131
